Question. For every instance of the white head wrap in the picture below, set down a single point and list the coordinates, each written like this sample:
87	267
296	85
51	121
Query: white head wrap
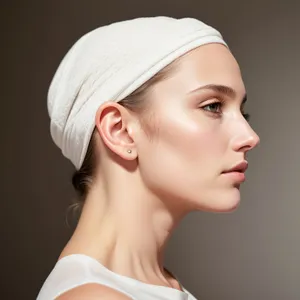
109	63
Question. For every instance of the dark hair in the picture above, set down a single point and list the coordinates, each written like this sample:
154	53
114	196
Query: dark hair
82	179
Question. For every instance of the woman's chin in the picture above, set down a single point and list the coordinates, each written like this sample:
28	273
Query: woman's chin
228	204
222	203
230	207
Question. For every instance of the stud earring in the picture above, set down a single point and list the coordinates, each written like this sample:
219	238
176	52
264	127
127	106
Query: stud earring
129	151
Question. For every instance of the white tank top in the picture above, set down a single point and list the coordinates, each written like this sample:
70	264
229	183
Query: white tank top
77	269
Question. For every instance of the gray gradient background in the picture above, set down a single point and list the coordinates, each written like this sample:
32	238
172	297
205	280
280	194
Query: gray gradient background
250	254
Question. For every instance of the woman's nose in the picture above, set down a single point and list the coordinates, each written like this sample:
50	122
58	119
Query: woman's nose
246	140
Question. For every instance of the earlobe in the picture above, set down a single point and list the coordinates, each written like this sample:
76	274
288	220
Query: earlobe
112	122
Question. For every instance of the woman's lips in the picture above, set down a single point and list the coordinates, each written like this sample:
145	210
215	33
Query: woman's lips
240	167
237	172
236	176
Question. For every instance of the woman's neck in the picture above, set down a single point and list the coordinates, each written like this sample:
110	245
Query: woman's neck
126	230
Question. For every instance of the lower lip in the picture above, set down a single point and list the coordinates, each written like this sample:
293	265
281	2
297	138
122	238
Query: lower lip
237	176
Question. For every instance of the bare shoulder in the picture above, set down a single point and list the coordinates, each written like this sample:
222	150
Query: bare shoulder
93	291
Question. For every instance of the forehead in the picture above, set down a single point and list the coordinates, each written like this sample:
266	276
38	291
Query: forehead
208	64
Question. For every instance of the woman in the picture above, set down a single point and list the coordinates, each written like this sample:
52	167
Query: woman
150	112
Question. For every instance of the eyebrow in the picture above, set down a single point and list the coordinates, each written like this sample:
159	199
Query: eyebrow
221	89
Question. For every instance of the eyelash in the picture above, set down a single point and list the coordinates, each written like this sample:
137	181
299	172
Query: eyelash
220	104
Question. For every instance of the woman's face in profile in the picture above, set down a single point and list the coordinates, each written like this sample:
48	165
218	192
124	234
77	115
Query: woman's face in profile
198	131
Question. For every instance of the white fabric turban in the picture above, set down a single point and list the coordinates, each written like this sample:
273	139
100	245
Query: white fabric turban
109	63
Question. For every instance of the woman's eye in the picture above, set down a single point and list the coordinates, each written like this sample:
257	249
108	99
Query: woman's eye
216	108
213	107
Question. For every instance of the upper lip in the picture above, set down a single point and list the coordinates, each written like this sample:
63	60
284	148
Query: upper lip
241	167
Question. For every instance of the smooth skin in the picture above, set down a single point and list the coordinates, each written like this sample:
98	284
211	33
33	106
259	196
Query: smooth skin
191	132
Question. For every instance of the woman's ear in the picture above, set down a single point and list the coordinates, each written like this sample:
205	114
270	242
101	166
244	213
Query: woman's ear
113	124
